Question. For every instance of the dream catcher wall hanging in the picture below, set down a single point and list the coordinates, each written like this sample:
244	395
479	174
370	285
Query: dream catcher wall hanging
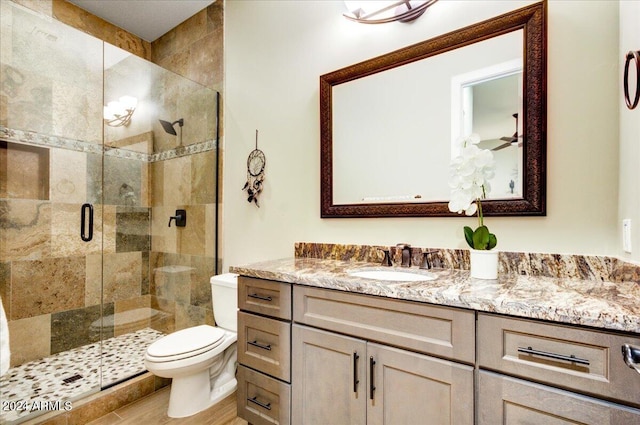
255	174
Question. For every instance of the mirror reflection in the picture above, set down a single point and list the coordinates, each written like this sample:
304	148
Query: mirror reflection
490	104
395	132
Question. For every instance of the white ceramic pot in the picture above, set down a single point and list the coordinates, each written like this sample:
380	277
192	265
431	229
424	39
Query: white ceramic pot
484	264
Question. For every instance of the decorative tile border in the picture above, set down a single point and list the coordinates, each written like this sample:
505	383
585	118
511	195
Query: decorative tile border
514	263
192	149
38	139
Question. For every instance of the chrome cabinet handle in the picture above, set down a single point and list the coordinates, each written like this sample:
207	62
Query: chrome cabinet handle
631	356
257	344
571	358
259	403
260	297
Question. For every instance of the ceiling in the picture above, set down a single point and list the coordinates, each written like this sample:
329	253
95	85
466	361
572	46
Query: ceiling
148	19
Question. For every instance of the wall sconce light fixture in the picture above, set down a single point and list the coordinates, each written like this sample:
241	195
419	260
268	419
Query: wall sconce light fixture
118	112
380	12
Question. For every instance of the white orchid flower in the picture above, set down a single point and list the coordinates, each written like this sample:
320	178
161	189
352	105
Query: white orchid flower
470	175
471	210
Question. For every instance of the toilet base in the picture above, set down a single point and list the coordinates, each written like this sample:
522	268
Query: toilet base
187	397
223	391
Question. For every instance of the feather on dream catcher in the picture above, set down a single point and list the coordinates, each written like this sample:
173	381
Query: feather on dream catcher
255	174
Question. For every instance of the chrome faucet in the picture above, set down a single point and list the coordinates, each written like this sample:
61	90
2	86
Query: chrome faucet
406	254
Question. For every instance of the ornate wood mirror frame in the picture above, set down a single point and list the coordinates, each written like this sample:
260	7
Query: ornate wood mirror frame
532	20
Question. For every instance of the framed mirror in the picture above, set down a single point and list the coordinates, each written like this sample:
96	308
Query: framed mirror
389	125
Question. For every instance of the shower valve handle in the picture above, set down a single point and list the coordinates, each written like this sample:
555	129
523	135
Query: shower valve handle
180	218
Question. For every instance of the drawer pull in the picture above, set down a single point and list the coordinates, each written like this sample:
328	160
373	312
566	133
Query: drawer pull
257	344
259	403
631	356
356	381
372	386
571	358
261	297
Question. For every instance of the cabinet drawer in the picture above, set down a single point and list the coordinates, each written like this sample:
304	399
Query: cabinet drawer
264	297
441	331
262	400
512	401
542	352
265	344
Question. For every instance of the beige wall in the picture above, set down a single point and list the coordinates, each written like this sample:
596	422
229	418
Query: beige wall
629	134
275	52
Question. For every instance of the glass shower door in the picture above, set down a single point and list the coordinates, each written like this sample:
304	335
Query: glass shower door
90	271
50	177
156	274
127	320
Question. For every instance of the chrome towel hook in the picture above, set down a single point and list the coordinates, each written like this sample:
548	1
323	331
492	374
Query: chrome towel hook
635	57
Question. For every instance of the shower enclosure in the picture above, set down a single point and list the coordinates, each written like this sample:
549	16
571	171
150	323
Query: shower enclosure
90	271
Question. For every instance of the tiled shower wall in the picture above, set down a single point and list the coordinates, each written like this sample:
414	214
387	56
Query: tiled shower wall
50	282
182	259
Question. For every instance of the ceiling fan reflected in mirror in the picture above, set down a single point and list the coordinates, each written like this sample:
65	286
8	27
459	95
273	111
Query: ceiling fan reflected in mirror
515	140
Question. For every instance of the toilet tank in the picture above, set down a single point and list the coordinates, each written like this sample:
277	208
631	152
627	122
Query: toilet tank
224	294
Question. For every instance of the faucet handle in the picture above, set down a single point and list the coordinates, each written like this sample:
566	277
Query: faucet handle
180	218
387	258
426	263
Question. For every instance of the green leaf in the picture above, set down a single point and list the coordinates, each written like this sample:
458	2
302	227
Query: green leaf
493	241
481	238
468	235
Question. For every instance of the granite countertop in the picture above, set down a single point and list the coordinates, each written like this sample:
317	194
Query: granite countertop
594	303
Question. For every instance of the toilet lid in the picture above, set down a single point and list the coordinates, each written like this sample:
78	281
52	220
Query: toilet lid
187	341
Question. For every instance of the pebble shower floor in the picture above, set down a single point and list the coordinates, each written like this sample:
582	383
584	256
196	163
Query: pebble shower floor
70	375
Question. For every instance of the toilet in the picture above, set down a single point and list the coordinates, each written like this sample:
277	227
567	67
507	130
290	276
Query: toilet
201	360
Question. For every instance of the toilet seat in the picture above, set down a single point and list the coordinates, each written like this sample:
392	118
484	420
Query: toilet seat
185	343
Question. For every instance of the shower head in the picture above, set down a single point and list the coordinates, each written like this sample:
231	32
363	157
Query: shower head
168	126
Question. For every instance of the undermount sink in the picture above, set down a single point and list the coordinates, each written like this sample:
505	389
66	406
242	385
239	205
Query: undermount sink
393	275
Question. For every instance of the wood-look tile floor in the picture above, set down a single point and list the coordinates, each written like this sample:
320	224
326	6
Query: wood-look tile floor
153	410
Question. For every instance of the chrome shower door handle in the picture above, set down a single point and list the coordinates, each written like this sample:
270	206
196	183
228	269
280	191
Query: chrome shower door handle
84	235
631	356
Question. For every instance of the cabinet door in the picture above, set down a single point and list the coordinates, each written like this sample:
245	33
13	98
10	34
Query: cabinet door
412	388
329	378
512	401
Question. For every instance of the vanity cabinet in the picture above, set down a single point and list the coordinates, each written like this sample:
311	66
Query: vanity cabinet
264	351
578	374
342	374
310	355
